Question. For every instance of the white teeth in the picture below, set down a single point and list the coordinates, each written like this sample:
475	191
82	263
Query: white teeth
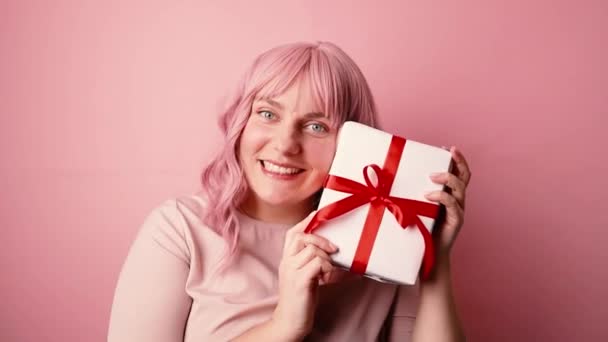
279	169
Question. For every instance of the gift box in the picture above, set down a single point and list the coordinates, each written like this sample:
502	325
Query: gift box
373	206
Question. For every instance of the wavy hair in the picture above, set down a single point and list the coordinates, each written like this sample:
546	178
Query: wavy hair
338	86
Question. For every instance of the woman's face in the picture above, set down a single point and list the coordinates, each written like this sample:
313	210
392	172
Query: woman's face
286	149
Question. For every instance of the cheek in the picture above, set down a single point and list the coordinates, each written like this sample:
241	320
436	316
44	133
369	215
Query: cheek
321	155
251	140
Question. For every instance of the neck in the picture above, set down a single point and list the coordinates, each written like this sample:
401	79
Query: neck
286	214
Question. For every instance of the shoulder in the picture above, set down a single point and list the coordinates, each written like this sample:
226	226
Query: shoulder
179	212
194	203
175	225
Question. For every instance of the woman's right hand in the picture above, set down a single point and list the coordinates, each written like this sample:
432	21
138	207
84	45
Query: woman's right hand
304	265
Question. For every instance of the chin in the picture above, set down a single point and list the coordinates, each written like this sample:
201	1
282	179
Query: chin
286	197
280	201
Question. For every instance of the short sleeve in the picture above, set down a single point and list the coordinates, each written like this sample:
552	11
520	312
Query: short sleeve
403	313
150	301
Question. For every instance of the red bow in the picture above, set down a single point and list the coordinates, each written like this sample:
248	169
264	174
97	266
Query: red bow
406	211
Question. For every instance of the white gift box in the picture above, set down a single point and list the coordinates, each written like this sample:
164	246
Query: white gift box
397	253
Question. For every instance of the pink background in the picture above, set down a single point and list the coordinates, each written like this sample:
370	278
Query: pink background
109	108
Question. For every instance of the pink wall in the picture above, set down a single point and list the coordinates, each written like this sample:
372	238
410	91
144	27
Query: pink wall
109	108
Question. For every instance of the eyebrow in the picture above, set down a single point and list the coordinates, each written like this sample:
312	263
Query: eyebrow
274	103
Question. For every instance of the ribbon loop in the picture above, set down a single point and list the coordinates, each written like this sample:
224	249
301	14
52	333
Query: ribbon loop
377	173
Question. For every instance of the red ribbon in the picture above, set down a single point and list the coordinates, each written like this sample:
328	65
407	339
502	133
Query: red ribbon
406	211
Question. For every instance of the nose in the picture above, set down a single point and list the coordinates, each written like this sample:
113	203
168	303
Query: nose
287	141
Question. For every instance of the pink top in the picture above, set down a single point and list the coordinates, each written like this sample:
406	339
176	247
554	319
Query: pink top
166	291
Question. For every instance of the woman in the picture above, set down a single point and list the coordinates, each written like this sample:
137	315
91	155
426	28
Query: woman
233	263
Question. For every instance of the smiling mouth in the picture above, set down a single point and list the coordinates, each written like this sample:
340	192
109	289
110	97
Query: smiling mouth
279	170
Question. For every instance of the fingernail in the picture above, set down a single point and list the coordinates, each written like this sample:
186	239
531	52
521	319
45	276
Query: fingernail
435	174
334	247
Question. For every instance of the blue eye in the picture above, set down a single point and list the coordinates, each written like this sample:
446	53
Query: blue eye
266	114
318	128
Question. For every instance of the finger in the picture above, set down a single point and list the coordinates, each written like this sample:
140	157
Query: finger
453	208
326	278
455	184
316	267
298	227
444	198
307	254
461	166
300	240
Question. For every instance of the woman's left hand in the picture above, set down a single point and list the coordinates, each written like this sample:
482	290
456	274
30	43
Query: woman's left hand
453	199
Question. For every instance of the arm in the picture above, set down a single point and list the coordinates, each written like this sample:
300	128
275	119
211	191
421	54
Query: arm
437	319
150	302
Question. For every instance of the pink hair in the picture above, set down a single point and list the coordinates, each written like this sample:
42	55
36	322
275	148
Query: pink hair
338	86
